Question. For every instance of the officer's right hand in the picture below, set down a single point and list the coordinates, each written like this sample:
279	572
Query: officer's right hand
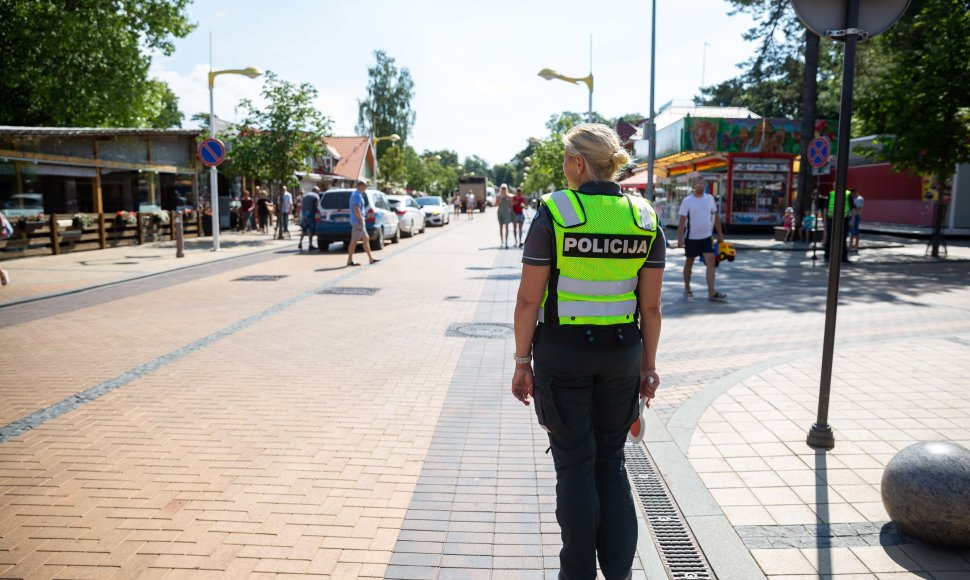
522	383
649	382
680	243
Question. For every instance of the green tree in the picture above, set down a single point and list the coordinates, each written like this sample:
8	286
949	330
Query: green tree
283	138
545	171
922	105
506	173
86	63
475	164
162	106
387	108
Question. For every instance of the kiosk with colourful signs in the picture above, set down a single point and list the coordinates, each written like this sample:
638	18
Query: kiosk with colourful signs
749	164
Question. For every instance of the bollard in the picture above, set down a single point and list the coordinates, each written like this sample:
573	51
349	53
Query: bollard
179	238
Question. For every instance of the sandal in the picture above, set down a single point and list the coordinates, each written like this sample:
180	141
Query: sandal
718	297
353	263
688	294
374	260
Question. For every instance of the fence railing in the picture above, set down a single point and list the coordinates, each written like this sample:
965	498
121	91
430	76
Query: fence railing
61	233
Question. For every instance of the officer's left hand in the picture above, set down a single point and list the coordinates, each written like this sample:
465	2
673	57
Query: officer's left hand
522	383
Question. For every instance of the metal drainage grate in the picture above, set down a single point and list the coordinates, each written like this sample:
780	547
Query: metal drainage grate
479	330
350	290
681	556
259	278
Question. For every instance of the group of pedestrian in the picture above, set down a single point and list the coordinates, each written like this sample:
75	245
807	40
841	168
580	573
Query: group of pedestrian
511	210
464	203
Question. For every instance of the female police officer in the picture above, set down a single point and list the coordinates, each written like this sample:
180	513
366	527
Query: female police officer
592	265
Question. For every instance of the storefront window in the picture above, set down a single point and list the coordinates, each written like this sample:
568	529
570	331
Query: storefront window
759	191
171	151
129	149
119	190
31	189
149	192
66	146
176	191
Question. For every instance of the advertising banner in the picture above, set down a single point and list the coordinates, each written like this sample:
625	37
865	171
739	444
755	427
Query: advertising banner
748	135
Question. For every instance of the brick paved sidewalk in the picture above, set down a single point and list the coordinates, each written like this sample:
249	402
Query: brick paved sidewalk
40	276
256	429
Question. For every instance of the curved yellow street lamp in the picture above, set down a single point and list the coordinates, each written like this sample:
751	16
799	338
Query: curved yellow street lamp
549	74
393	138
251	72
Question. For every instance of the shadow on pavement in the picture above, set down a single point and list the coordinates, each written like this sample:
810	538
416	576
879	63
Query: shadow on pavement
783	284
199	244
822	543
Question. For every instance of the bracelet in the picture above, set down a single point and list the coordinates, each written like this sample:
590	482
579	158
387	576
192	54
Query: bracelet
522	360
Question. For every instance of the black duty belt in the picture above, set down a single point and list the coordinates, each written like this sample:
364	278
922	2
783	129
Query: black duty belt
590	337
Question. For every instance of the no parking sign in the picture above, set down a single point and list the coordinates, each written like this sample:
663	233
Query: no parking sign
212	152
819	152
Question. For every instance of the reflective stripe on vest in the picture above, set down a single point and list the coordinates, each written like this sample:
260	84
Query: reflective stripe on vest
624	308
595	287
567	211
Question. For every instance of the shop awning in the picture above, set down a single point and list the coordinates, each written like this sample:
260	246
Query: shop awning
637	180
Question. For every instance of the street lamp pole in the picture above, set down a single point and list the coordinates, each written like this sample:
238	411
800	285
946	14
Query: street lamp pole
651	126
251	72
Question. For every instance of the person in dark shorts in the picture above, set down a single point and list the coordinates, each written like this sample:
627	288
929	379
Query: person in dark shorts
699	219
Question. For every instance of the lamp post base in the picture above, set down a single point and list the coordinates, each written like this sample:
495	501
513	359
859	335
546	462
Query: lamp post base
820	436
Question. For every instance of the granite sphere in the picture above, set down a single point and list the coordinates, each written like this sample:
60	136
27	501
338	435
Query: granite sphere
926	492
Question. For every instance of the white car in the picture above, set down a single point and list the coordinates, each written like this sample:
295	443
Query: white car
409	214
436	211
23	204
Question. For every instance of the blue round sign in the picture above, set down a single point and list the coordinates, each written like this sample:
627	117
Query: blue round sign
819	151
212	152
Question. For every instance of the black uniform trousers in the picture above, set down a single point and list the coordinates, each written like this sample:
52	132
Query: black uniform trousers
586	396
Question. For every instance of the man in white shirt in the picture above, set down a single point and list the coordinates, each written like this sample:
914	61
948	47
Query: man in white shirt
699	216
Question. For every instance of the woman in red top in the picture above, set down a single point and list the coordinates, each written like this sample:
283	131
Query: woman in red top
518	216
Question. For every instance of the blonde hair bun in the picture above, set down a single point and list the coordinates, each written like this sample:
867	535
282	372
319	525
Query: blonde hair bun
600	146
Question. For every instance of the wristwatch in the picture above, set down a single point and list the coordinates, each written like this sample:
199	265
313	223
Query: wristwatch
522	360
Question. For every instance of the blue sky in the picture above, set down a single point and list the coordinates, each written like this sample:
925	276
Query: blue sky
474	64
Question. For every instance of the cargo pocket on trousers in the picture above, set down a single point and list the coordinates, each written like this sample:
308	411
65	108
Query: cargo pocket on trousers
546	410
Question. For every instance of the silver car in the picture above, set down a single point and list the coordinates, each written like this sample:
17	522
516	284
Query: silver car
436	211
409	214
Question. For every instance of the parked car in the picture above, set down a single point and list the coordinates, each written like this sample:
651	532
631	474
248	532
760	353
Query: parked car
381	222
409	214
436	211
23	204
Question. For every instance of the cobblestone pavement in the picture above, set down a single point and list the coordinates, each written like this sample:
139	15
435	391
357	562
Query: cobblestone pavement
193	424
